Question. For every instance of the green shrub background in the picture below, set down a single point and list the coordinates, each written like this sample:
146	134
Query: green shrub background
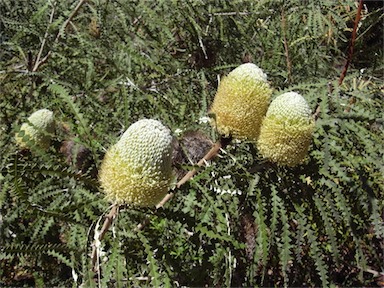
319	224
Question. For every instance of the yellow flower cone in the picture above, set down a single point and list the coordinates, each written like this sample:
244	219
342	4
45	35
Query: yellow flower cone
36	131
137	169
241	102
286	131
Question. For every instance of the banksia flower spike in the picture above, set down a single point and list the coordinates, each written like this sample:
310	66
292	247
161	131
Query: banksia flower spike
241	102
36	131
286	131
137	169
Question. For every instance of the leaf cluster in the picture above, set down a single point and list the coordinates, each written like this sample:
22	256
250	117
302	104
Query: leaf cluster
241	221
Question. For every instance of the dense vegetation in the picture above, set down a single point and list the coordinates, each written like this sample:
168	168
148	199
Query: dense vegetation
100	65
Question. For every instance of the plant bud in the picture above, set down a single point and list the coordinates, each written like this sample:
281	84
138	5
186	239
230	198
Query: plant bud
286	131
137	169
36	131
241	102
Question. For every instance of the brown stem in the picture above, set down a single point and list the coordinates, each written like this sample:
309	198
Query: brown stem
352	43
317	113
211	154
107	223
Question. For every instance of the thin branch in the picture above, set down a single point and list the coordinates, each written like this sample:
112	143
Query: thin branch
286	50
58	36
352	43
46	34
373	272
317	113
107	223
245	13
211	154
351	102
142	224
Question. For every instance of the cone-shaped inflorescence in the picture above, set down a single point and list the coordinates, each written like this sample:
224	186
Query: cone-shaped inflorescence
137	169
36	131
241	102
286	131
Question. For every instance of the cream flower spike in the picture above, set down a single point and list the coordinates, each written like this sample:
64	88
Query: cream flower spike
286	131
36	131
241	102
137	169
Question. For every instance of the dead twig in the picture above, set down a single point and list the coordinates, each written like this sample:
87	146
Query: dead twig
107	223
211	154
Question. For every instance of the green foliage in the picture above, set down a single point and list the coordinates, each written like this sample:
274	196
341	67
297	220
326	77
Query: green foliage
240	221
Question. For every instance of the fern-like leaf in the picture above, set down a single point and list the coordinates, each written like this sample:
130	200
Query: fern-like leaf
285	243
152	262
329	226
62	258
315	252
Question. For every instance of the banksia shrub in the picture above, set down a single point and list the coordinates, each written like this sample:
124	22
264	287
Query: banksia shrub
137	169
286	130
36	130
241	102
